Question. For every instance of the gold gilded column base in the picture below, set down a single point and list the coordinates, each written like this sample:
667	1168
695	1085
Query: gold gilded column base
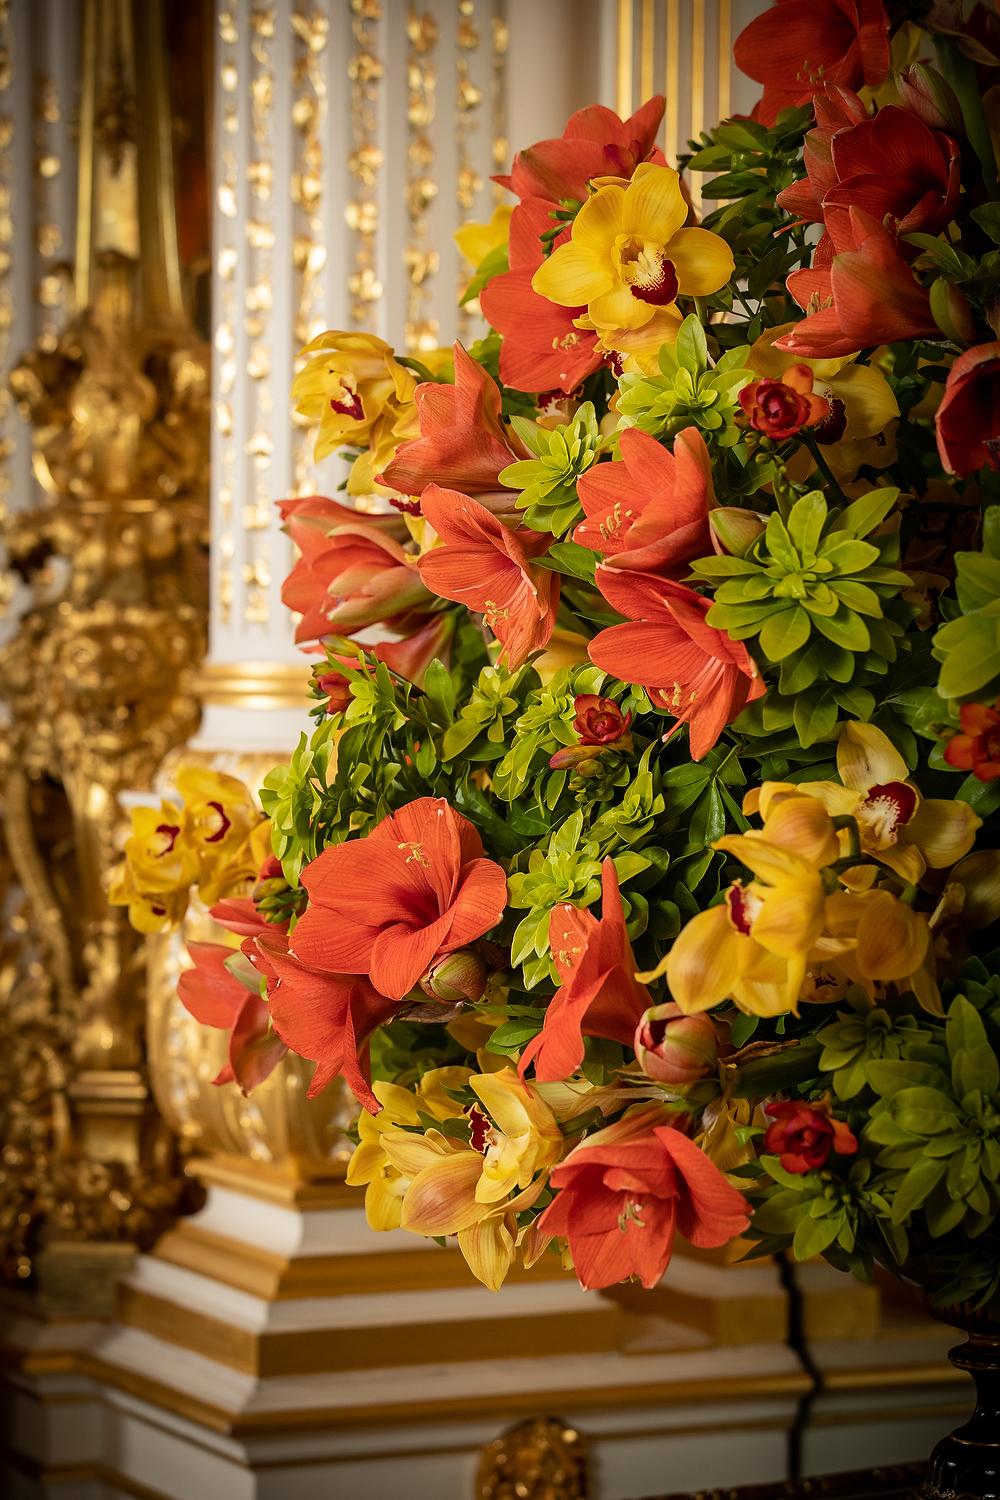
298	1182
79	1278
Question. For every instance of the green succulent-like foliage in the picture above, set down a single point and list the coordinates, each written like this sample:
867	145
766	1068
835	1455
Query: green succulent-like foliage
689	390
548	481
811	593
968	646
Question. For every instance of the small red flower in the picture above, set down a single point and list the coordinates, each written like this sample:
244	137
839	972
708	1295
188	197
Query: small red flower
968	418
781	408
977	748
600	724
803	1135
800	46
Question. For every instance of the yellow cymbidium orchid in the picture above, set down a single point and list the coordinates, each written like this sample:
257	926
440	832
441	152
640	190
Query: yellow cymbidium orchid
629	257
902	830
477	240
360	396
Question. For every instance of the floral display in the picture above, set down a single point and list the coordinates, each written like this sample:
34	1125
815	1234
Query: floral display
640	873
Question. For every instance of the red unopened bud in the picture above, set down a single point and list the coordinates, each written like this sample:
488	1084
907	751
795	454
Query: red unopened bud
927	94
458	976
951	312
734	530
674	1048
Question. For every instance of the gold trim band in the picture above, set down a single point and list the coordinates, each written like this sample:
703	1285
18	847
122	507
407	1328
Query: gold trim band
255	684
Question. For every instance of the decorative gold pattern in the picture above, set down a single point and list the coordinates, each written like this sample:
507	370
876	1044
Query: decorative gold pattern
98	680
364	70
498	93
227	261
257	513
309	251
6	238
422	259
468	108
542	1459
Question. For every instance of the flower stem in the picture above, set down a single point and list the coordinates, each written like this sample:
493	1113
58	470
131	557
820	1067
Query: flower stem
961	74
823	467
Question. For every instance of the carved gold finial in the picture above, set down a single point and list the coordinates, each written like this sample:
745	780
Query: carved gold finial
540	1459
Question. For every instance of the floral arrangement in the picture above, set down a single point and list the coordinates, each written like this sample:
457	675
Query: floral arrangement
639	875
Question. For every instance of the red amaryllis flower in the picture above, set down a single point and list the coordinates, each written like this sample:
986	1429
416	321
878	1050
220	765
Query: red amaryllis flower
542	350
803	1135
600	725
595	143
214	995
687	667
624	1193
866	295
390	905
649	514
486	566
350	574
977	748
325	1017
463	443
798	46
781	408
892	166
598	995
968	418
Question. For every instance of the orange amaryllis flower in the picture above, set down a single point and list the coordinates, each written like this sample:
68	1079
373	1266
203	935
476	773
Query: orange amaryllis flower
687	667
542	349
598	995
799	46
977	747
595	143
627	1190
967	421
390	905
486	566
865	295
349	576
463	443
323	1016
649	514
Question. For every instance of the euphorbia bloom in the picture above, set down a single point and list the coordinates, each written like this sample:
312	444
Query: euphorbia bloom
463	443
595	143
649	513
798	46
892	166
487	566
865	295
977	747
967	421
542	349
324	1016
624	1193
390	905
598	995
630	257
803	1135
689	668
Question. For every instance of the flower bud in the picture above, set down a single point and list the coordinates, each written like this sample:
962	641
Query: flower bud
674	1048
734	530
951	312
930	96
458	976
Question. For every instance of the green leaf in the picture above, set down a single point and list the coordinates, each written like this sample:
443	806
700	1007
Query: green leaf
865	513
813	1236
783	632
690	347
815	718
916	1188
511	1036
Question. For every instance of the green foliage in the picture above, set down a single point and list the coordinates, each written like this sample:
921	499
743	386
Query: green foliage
968	646
690	389
548	481
814	596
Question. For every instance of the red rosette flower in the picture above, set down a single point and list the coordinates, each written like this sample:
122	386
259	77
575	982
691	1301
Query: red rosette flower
389	906
626	1191
800	46
649	513
802	1136
598	995
542	349
968	419
486	566
977	747
595	143
686	666
781	408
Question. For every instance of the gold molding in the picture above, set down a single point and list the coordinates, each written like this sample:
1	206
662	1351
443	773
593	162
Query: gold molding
293	1182
258	685
624	60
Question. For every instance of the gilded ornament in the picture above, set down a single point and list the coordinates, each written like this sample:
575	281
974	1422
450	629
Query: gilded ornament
539	1459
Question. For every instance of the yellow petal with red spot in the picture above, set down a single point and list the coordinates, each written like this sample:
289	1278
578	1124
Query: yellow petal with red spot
790	918
653	206
617	308
707	959
869	403
702	260
866	758
572	275
442	1198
